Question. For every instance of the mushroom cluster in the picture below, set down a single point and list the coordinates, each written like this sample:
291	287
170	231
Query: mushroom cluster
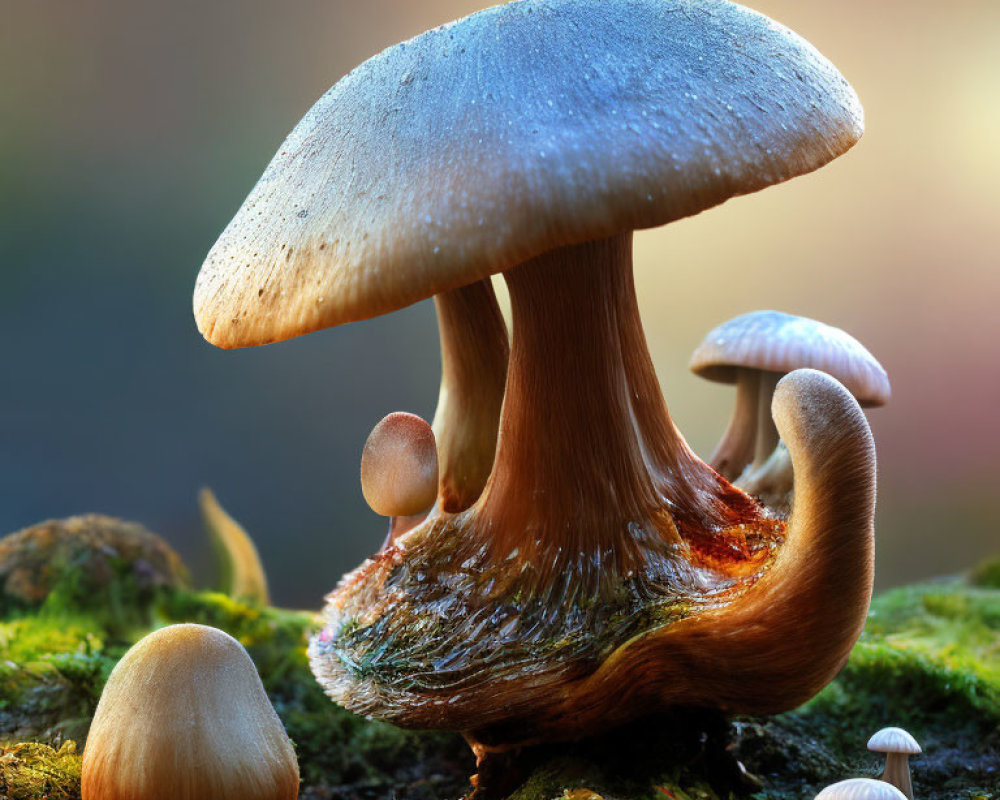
580	565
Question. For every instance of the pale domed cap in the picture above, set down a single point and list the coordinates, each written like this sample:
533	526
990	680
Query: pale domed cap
893	740
777	342
861	789
522	128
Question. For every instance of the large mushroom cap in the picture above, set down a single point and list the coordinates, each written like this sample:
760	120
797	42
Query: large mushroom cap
894	740
522	128
777	342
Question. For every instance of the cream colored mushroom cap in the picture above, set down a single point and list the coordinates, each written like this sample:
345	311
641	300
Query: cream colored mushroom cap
777	342
184	716
894	740
525	127
861	789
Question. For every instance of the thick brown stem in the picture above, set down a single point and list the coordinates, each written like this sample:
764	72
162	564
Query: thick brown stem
474	353
570	475
736	447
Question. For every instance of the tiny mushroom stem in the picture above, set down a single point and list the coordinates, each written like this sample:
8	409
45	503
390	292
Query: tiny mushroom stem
474	354
737	446
766	433
399	471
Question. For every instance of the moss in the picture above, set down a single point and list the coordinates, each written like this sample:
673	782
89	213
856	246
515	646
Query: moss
987	574
39	772
929	660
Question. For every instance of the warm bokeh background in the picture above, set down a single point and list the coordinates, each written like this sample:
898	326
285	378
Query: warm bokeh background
130	133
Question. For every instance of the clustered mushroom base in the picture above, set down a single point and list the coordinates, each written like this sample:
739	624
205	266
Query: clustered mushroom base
598	527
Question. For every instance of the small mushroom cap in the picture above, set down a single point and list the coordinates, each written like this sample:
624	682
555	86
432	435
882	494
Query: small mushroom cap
184	716
893	740
525	127
861	789
399	466
777	342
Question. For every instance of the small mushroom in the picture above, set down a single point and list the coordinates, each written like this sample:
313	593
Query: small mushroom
184	716
603	570
753	351
860	789
399	471
243	575
898	746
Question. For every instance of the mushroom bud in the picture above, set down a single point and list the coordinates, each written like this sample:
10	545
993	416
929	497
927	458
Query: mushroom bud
184	716
898	746
399	470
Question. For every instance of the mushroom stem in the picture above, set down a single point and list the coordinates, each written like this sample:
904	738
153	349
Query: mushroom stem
766	434
474	353
737	446
588	461
897	772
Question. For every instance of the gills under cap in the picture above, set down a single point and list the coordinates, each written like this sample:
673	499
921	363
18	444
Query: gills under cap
777	342
522	128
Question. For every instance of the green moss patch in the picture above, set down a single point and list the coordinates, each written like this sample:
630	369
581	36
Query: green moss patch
929	660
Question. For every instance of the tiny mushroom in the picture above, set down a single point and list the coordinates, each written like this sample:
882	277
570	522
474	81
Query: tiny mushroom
594	569
399	471
753	351
861	789
898	746
184	717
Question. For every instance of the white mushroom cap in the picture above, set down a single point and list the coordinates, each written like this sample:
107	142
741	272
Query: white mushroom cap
777	342
893	740
861	789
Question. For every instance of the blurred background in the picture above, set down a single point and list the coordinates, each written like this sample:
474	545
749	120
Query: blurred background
131	132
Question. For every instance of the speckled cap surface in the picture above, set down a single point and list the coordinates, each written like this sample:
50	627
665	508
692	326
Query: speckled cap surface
777	342
525	127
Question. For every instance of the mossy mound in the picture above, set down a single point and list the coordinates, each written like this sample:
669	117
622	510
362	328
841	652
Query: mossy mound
108	566
929	660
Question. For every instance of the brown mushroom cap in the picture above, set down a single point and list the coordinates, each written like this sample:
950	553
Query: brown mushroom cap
399	466
184	717
775	342
522	128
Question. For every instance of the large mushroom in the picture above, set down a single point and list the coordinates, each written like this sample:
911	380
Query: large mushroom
604	571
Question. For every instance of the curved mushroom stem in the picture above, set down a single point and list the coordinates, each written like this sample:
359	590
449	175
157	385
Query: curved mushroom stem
588	462
773	482
474	354
243	573
790	634
737	446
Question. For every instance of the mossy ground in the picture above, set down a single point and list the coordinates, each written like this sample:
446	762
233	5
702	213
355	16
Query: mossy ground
929	660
